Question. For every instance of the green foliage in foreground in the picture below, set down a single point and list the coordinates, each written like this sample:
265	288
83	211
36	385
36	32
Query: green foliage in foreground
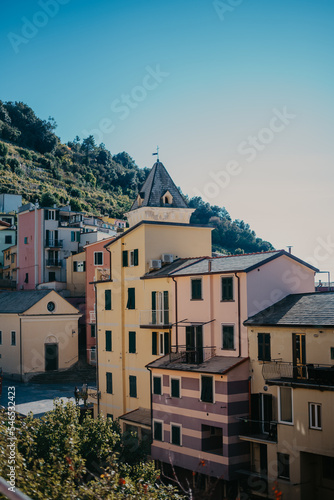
60	457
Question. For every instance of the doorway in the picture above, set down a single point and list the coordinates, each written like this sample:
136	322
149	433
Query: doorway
299	355
51	357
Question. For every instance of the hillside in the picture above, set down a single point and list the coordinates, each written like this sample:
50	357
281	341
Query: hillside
35	164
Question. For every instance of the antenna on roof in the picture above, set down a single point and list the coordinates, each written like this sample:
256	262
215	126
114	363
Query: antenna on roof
289	248
157	153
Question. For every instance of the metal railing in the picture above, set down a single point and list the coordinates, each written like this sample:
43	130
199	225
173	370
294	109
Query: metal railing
54	243
157	317
322	374
192	356
266	429
53	263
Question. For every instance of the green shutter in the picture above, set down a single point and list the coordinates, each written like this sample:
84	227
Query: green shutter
166	308
154	344
46	214
175	388
157	385
207	389
176	435
108	341
166	343
47	237
125	258
135	257
260	350
228	337
157	431
78	236
107	300
75	266
109	382
132	342
196	289
72	235
131	304
133	386
227	288
154	308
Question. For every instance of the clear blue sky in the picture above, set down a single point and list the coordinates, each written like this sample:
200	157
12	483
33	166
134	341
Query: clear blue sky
207	81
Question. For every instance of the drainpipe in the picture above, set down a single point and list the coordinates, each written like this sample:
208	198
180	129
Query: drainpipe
176	318
151	399
21	367
97	354
239	318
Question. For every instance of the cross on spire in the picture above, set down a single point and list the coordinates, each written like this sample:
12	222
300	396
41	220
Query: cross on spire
157	153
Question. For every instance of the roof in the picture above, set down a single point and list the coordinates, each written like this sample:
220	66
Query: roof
19	302
302	309
140	416
156	185
226	263
4	224
217	364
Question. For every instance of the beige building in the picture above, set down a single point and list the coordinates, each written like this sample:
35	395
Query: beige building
290	430
76	274
38	333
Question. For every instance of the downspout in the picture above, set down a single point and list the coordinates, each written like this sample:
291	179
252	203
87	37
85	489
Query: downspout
97	354
151	399
21	366
176	318
239	318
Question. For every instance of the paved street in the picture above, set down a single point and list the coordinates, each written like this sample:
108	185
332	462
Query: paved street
37	398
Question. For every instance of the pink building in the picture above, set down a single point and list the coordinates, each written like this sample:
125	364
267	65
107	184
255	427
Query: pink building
97	269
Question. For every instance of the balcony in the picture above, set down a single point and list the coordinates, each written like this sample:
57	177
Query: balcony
54	244
158	319
258	430
306	374
53	263
184	354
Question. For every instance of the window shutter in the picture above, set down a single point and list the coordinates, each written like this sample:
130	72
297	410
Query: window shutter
78	236
57	214
157	385
75	266
260	349
175	388
267	354
56	237
166	343
135	257
154	308
157	432
132	342
166	307
154	344
47	236
176	435
207	389
107	300
108	341
125	258
109	383
84	266
46	214
131	304
133	386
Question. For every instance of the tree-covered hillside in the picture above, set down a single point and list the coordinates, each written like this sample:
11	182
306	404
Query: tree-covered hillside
35	164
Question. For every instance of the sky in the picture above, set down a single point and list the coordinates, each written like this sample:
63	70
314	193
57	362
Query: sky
237	94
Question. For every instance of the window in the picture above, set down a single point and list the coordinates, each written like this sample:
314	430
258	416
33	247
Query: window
109	382
157	386
108	341
212	439
26	240
175	434
0	337
315	416
12	338
196	289
131	304
157	430
132	342
98	258
175	388
52	276
134	258
228	337
154	343
110	415
79	267
93	331
12	258
107	300
283	466
263	346
125	258
164	347
285	405
328	467
26	279
133	386
160	308
72	235
206	389
332	352
78	236
227	288
8	239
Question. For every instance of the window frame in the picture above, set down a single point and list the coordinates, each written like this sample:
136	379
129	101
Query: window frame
263	343
95	258
279	406
106	340
316	425
213	389
132	342
173	424
279	475
8	237
133	378
13	337
131	299
192	280
107	300
178	379
229	325
161	422
222	299
110	383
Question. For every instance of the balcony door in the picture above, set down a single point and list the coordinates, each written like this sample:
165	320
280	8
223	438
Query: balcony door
262	413
194	344
299	355
160	312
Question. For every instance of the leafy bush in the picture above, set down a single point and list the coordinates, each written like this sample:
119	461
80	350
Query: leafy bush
3	149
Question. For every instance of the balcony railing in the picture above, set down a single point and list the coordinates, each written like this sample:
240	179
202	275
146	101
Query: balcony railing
54	243
311	373
262	430
155	318
184	354
53	263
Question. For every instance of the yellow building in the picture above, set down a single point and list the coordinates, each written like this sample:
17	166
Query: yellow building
290	430
76	274
38	333
134	316
10	264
